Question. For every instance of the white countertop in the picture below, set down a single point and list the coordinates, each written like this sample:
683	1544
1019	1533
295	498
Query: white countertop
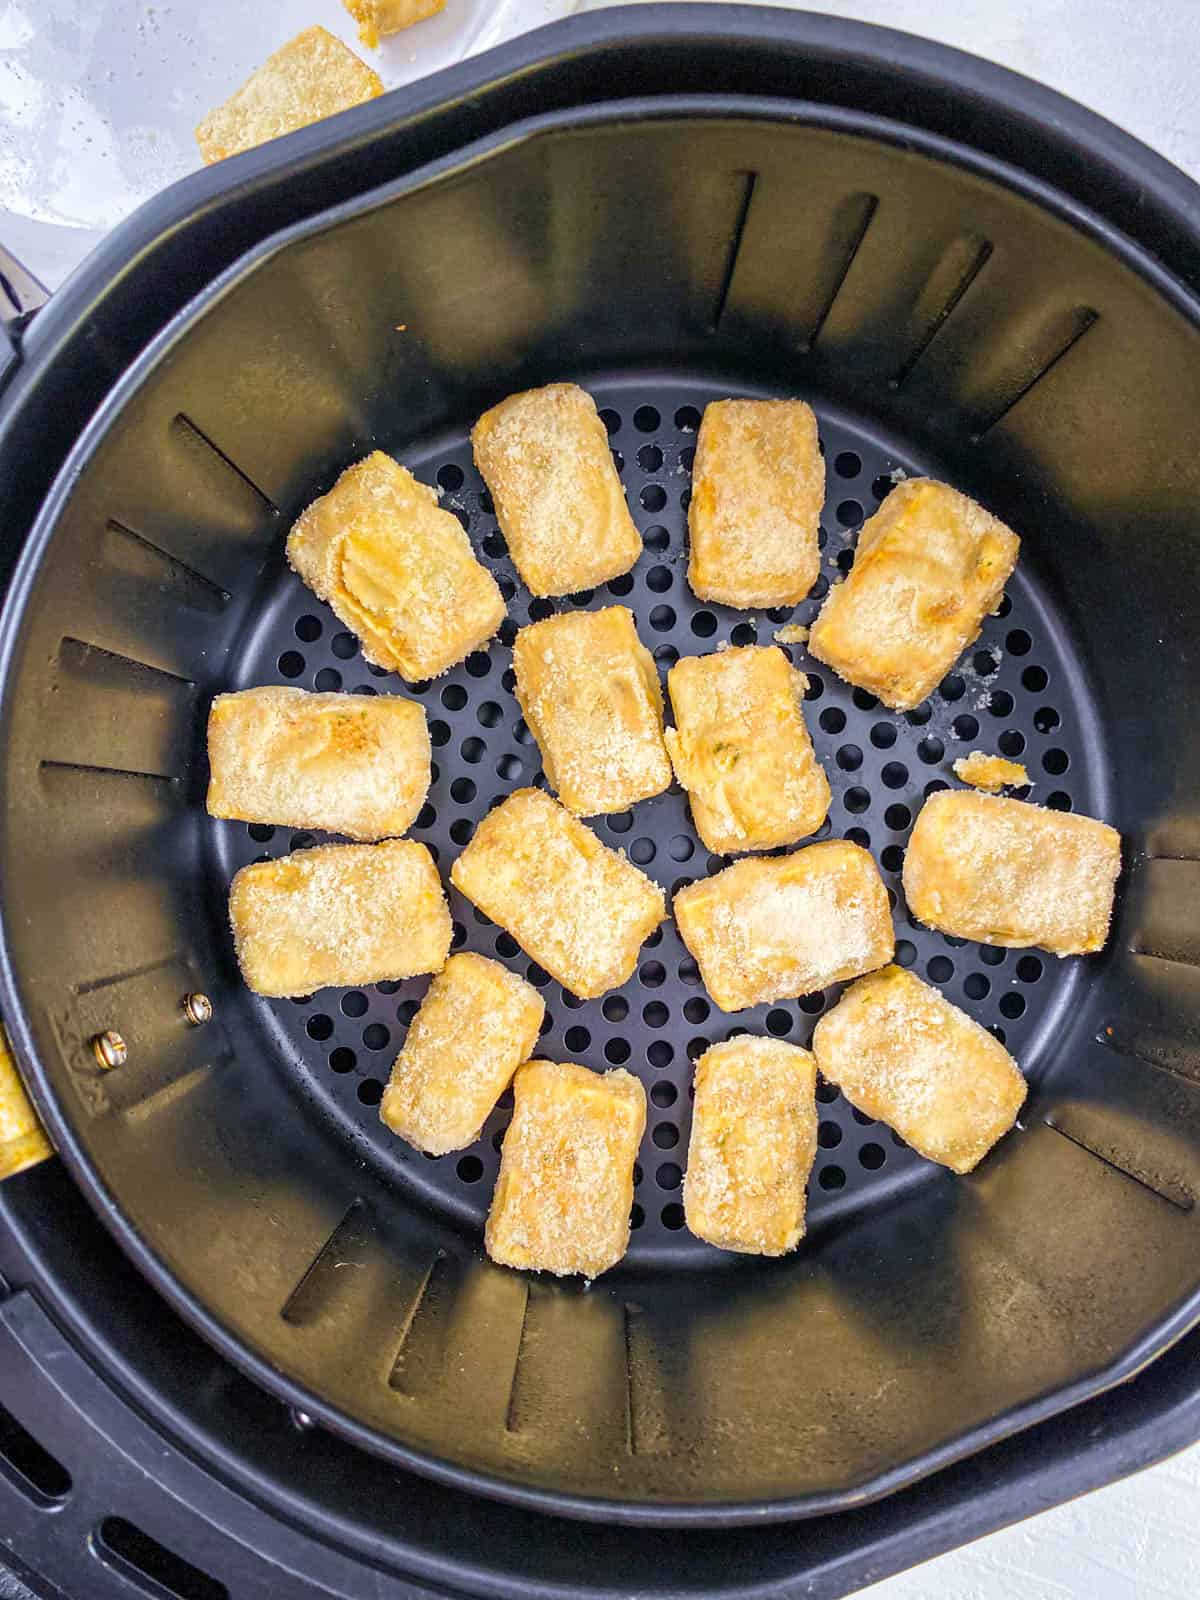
96	107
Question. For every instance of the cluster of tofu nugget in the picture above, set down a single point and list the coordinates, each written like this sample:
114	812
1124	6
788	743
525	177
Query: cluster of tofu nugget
400	572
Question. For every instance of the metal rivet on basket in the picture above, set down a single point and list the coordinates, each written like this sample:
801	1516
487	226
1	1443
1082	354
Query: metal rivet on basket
197	1008
110	1049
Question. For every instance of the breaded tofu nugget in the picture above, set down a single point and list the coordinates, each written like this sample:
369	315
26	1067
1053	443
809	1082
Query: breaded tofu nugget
989	773
476	1025
344	763
590	693
581	910
311	77
754	1138
381	17
778	928
545	458
900	1052
1010	873
930	565
758	486
565	1189
396	569
741	749
339	915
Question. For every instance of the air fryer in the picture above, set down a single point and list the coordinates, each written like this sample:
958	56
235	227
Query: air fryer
946	310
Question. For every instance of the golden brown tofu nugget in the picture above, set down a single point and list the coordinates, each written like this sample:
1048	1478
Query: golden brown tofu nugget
397	570
930	565
989	773
900	1052
339	915
476	1025
740	747
376	17
590	693
545	458
754	1137
757	490
312	77
1010	873
579	909
565	1189
775	929
343	763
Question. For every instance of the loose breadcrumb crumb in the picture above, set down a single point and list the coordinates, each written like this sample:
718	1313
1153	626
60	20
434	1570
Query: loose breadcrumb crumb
792	633
990	773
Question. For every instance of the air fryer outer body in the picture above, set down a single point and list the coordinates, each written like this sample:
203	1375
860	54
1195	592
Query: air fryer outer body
786	211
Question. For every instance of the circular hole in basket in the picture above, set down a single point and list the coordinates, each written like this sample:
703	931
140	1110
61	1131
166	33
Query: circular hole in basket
370	1091
308	629
872	1156
291	663
342	1060
831	1178
663	1094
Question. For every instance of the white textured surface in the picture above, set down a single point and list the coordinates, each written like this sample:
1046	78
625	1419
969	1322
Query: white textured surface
97	98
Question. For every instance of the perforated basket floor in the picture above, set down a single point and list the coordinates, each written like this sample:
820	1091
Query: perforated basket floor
1018	691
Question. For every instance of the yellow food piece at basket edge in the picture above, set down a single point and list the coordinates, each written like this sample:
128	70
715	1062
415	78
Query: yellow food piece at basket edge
741	749
590	693
338	762
777	928
581	910
758	486
753	1142
477	1024
396	569
314	75
989	773
339	915
382	17
565	1190
901	1053
929	566
1007	872
545	458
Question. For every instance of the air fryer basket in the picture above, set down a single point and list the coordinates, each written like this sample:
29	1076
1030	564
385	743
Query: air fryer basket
944	313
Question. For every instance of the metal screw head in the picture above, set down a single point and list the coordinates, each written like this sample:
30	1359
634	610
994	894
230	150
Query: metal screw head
198	1008
110	1049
